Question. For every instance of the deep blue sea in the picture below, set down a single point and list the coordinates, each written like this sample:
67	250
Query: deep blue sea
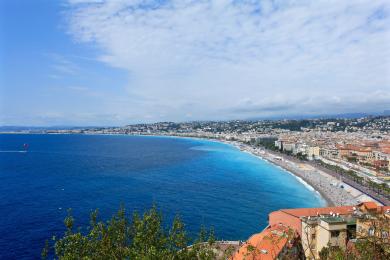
206	182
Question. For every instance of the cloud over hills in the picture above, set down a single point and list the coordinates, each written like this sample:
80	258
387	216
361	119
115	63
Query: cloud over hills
229	59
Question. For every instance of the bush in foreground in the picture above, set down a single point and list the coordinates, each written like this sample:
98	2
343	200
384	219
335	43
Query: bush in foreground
142	237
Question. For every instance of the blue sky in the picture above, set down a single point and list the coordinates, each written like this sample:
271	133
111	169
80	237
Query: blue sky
97	62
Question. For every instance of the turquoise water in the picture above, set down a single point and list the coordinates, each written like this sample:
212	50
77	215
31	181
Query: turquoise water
206	182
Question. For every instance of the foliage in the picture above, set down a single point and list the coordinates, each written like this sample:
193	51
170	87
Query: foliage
334	252
144	237
302	157
382	189
372	242
294	125
268	143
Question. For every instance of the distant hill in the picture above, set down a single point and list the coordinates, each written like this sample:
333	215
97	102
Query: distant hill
281	117
324	116
39	128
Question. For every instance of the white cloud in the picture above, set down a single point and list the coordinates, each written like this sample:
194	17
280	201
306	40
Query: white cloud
204	57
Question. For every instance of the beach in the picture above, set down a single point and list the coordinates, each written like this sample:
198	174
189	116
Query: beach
333	190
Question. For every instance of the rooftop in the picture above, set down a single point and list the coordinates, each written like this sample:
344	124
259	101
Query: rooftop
333	220
266	245
305	212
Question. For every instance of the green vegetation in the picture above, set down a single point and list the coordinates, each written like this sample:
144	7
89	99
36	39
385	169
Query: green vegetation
268	143
371	244
302	157
342	171
294	125
142	237
382	189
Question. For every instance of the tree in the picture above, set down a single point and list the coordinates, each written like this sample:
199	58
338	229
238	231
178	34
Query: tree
142	237
372	242
334	252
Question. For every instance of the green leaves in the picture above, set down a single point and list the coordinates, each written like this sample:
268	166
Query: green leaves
148	239
144	237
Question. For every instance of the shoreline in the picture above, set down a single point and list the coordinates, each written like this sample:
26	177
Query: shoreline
248	149
334	192
303	180
306	181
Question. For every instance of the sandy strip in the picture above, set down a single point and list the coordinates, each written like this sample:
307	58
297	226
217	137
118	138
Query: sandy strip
334	191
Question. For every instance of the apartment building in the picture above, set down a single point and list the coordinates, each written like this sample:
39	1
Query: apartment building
329	152
314	228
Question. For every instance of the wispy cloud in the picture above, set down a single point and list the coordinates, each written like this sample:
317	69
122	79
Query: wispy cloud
61	65
78	88
282	105
203	58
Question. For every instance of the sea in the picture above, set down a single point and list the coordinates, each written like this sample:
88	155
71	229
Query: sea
204	182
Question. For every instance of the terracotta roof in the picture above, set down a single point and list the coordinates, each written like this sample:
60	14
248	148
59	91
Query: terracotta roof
385	150
271	241
266	245
305	212
385	208
353	148
369	205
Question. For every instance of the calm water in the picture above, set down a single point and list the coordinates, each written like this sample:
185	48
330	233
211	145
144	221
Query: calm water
205	182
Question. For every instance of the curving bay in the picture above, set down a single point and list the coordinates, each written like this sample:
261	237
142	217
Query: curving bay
206	182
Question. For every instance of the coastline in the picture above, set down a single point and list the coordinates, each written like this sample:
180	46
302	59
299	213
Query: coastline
333	191
248	149
305	181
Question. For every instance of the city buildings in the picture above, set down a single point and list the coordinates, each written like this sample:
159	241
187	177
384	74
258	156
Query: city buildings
309	230
357	147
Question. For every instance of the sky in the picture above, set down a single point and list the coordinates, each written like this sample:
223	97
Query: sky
101	62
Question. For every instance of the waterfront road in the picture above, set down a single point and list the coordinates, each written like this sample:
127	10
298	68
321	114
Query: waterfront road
379	197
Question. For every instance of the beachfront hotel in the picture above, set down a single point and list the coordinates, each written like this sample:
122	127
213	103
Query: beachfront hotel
303	233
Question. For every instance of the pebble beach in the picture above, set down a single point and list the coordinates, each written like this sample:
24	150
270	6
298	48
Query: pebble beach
333	190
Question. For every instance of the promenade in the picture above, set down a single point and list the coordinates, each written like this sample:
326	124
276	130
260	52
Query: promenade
333	187
346	180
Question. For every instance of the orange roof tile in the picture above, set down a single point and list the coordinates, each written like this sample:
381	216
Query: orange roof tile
385	208
369	205
270	242
354	148
305	212
385	150
266	245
